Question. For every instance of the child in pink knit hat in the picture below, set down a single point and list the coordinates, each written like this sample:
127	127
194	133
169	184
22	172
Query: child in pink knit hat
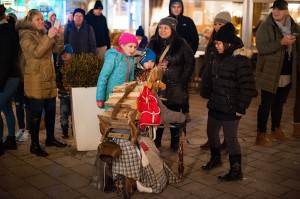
118	67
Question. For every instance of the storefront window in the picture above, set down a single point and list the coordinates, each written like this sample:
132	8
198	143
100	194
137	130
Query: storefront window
124	15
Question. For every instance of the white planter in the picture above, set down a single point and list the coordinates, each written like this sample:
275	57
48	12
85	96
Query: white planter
85	123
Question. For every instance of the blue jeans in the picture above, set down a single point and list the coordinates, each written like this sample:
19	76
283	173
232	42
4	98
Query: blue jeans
5	97
65	110
36	108
21	104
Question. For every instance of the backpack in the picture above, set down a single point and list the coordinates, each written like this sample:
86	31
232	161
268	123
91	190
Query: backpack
148	107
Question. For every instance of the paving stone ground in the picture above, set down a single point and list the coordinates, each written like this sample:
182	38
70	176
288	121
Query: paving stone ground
271	172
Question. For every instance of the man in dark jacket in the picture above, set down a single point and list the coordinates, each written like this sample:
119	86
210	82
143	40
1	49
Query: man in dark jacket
277	44
80	34
186	28
9	76
96	19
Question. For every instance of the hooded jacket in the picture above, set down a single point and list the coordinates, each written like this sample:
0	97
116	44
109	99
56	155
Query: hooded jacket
117	69
9	51
186	27
37	48
49	23
101	31
233	84
271	55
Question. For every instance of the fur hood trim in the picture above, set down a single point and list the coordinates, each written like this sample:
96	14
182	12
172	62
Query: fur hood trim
243	52
22	25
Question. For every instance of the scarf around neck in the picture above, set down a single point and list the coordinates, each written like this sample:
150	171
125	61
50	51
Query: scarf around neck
286	31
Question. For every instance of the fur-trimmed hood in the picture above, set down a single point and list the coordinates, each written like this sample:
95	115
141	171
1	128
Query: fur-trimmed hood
243	52
25	25
50	14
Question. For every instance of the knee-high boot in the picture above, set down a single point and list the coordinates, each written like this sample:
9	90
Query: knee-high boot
35	148
175	133
159	133
235	172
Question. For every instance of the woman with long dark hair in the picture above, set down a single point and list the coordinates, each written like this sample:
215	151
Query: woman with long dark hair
176	59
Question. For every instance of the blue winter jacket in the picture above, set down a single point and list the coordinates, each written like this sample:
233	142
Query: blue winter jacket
117	69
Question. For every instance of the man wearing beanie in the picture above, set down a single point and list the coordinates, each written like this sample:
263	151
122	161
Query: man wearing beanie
186	28
233	87
176	58
97	20
277	65
79	34
142	39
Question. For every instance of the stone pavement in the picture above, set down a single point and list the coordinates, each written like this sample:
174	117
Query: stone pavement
272	172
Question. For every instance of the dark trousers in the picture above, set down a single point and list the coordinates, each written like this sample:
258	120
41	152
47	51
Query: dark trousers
297	104
36	109
186	106
230	129
65	111
22	103
271	103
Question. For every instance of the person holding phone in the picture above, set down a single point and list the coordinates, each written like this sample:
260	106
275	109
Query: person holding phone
39	76
277	63
175	57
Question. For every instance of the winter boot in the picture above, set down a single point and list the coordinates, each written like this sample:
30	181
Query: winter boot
36	149
215	159
278	135
296	132
10	143
261	139
235	172
174	138
34	132
159	133
205	146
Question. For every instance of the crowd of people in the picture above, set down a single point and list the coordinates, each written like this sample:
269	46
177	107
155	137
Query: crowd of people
32	53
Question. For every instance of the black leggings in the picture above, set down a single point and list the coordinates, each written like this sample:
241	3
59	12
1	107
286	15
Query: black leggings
230	129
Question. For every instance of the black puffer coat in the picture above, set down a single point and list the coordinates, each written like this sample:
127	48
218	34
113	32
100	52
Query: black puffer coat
233	84
181	63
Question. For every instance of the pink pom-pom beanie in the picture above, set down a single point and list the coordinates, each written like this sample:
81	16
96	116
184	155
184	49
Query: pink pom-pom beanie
126	38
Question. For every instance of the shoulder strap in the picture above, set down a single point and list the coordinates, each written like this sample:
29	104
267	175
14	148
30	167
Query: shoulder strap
164	53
